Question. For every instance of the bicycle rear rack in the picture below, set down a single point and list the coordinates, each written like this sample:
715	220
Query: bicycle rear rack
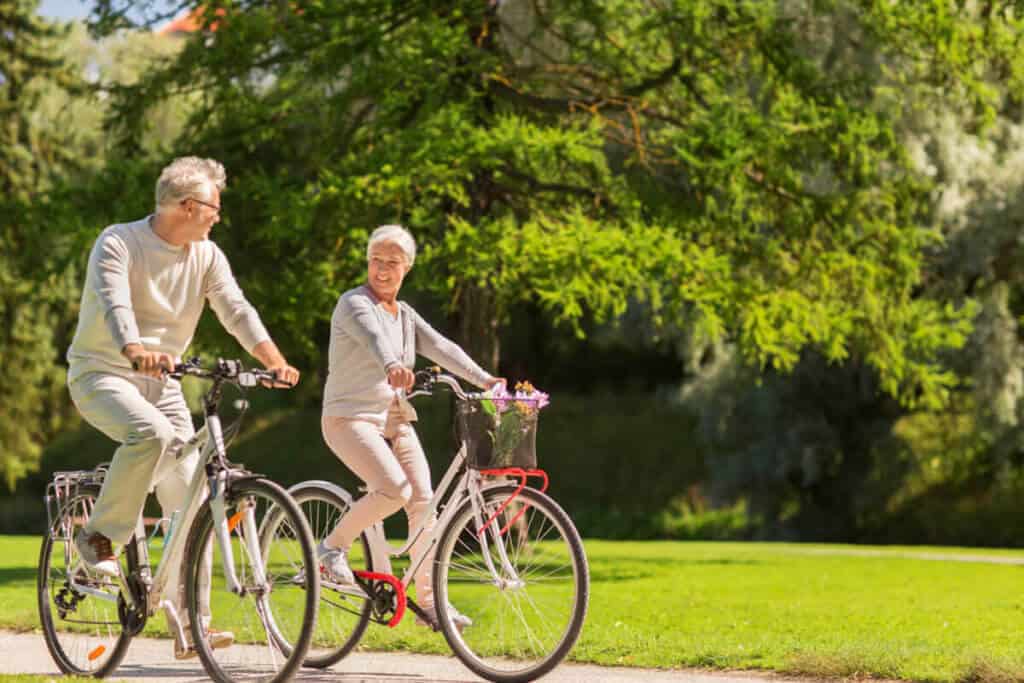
63	488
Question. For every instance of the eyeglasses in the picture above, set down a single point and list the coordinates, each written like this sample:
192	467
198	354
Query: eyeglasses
200	201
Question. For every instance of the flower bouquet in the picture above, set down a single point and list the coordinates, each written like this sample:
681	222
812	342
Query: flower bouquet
500	428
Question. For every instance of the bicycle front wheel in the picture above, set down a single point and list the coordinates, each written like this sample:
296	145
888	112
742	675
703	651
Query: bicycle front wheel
519	572
78	608
273	615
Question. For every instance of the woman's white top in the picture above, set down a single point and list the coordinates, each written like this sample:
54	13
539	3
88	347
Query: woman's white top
367	340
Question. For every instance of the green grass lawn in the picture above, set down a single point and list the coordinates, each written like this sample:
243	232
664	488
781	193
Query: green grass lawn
792	608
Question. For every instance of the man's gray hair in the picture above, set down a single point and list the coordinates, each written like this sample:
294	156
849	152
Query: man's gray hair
188	177
395	234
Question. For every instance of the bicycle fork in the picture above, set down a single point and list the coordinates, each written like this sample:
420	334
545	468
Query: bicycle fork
223	526
487	525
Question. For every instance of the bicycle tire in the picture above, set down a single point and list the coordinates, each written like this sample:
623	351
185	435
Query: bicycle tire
549	607
76	653
342	617
282	614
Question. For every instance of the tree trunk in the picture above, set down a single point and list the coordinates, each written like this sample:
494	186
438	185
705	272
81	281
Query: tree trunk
476	323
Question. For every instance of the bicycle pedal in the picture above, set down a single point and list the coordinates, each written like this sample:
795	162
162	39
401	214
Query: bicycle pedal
432	625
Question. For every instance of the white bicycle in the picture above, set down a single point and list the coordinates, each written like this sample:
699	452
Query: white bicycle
231	557
504	553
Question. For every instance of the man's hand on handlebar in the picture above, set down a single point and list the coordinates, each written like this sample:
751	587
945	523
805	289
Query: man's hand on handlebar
401	377
151	363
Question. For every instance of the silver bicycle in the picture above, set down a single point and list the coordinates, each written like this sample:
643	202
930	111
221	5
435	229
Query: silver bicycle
254	578
504	553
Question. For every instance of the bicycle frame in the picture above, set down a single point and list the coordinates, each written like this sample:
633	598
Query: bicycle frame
470	486
509	556
207	477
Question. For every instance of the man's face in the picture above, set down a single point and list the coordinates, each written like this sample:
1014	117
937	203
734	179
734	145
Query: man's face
203	212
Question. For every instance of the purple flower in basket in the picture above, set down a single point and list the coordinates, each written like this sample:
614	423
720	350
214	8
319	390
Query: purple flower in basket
526	399
511	417
500	397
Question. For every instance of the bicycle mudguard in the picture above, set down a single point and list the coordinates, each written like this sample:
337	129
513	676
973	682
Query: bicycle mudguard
320	483
236	477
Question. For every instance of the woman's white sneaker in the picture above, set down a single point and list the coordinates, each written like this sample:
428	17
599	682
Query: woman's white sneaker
334	563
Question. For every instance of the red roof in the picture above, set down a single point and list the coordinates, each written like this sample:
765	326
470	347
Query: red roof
190	22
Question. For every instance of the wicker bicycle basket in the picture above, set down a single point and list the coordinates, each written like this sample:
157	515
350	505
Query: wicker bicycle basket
496	439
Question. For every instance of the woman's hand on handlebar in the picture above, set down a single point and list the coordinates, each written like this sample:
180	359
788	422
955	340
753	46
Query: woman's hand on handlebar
495	382
286	377
401	377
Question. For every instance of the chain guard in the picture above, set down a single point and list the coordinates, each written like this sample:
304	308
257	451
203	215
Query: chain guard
383	601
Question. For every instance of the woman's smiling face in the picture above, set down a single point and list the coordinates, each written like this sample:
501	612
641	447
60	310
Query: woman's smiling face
386	269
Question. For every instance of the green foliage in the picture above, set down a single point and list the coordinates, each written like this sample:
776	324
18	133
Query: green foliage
785	179
614	460
33	154
55	200
813	449
30	150
812	452
707	158
686	519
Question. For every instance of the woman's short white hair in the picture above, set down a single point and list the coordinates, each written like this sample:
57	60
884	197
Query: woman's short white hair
394	234
189	177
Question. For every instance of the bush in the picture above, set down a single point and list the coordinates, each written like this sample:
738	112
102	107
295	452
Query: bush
615	461
691	520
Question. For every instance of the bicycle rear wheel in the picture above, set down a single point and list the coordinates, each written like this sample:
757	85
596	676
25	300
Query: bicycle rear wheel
78	608
274	616
525	587
343	615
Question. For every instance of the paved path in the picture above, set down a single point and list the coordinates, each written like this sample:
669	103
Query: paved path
150	660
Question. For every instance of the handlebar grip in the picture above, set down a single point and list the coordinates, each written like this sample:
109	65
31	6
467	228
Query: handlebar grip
163	369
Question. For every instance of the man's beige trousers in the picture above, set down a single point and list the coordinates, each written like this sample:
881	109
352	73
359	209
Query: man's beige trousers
151	421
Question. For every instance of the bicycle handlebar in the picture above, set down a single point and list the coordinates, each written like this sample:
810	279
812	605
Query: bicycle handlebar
224	370
427	379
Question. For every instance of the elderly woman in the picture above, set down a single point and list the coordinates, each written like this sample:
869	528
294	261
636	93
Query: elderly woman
366	421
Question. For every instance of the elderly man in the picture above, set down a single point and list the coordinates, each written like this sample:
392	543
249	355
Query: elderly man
145	287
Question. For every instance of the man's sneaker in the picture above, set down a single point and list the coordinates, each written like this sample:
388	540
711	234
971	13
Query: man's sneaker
334	563
459	620
216	639
95	551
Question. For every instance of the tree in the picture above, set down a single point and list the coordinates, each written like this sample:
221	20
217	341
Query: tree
32	154
53	202
818	452
691	155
